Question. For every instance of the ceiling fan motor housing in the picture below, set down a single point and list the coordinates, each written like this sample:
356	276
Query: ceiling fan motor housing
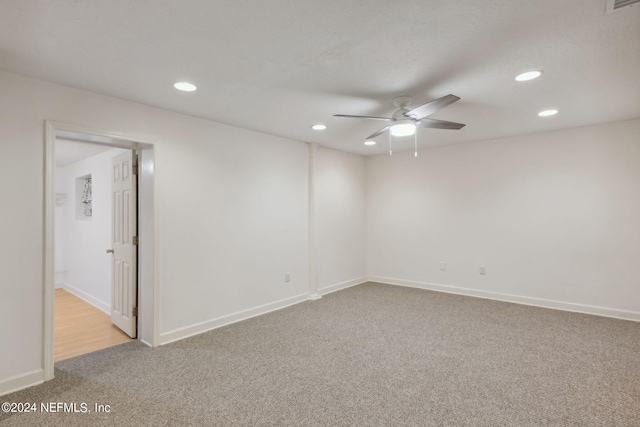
402	102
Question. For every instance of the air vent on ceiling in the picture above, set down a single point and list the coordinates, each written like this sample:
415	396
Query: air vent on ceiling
617	4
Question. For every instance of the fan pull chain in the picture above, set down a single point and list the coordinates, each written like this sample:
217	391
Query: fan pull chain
415	143
390	151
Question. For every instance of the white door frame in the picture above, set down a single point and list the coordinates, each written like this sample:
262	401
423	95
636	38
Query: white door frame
148	286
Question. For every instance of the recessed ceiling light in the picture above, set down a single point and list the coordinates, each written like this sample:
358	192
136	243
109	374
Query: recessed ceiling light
547	113
185	86
529	75
319	126
369	143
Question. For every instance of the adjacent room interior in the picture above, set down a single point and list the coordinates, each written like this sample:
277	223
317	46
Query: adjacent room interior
83	234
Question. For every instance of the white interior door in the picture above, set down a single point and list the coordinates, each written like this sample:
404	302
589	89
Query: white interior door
124	241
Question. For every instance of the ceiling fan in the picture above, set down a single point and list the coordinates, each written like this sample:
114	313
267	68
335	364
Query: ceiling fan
405	121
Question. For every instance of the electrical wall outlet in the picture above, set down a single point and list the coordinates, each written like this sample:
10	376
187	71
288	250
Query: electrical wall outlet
287	277
482	269
443	265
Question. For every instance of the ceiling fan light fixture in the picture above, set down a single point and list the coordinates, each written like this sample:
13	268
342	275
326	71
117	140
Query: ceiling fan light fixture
369	142
529	75
547	113
185	86
403	129
319	126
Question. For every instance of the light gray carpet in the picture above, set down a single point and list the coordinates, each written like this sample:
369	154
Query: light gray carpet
371	355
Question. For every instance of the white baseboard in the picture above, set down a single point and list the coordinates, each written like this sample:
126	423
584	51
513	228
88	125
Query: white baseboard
537	302
101	305
19	382
198	328
343	285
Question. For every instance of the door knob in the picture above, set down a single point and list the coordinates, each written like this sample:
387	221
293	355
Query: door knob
109	251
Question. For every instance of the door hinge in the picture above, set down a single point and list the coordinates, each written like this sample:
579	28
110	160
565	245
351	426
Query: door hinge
135	240
134	312
135	170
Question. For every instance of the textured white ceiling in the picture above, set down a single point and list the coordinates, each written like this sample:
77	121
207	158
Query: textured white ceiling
68	152
280	66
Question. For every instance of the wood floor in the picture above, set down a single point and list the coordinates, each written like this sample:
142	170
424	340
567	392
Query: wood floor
81	328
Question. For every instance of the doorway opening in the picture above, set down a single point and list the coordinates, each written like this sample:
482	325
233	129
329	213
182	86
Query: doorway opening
86	225
99	256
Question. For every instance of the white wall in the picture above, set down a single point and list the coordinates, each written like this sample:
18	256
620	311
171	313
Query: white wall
341	219
60	209
232	214
552	216
80	244
234	220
